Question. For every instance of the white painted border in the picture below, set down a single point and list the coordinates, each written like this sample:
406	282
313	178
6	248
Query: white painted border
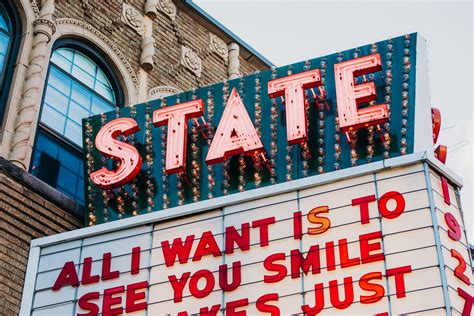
423	127
30	280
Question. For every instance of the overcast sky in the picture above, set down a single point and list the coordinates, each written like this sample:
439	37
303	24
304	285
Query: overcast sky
290	31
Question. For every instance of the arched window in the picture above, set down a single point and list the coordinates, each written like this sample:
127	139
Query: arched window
79	85
9	36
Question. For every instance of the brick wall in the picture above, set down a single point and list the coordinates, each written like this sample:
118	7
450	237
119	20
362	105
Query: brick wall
169	36
28	209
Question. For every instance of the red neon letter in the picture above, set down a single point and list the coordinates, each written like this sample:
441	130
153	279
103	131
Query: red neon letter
399	207
87	278
133	296
270	265
324	223
454	231
88	306
468	302
106	266
349	95
377	289
366	247
109	301
179	249
318	301
293	87
299	262
209	283
127	155
67	276
399	274
363	203
178	285
262	305
135	265
461	267
207	246
348	293
236	276
177	117
235	133
262	225
241	240
230	307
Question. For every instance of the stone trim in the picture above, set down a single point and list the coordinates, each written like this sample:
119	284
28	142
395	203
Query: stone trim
109	43
132	18
191	61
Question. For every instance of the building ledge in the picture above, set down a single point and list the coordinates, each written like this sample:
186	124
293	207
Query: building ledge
43	189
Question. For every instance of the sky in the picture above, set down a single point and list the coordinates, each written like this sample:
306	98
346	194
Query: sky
289	31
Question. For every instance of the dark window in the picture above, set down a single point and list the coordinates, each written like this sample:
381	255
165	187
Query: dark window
9	42
77	87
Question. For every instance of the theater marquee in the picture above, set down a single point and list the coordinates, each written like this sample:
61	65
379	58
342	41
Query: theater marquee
371	242
316	188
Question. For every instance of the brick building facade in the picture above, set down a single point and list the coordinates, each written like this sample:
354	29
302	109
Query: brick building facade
63	49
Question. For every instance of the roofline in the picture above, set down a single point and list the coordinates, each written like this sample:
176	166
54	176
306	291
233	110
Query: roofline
237	39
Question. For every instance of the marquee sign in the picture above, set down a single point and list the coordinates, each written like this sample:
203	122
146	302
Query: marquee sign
372	241
318	116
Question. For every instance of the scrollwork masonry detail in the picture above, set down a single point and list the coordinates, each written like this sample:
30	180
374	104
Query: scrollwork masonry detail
191	61
168	8
132	18
218	46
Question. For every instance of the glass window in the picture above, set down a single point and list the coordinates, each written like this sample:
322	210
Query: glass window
76	88
5	41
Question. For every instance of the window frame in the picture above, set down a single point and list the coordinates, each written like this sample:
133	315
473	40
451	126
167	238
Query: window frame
94	54
12	51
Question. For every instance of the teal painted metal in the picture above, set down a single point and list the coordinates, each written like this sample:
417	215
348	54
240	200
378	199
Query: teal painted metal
167	186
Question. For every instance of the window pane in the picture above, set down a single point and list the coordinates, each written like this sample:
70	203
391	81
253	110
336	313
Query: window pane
4	21
77	112
102	78
61	61
99	106
65	53
81	95
82	76
67	180
85	63
53	119
58	166
105	91
56	99
4	40
60	81
73	132
69	160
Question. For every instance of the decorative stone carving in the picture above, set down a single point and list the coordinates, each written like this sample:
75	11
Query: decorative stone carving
218	46
234	62
168	8
162	91
107	40
34	6
28	109
191	61
132	18
148	51
151	8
